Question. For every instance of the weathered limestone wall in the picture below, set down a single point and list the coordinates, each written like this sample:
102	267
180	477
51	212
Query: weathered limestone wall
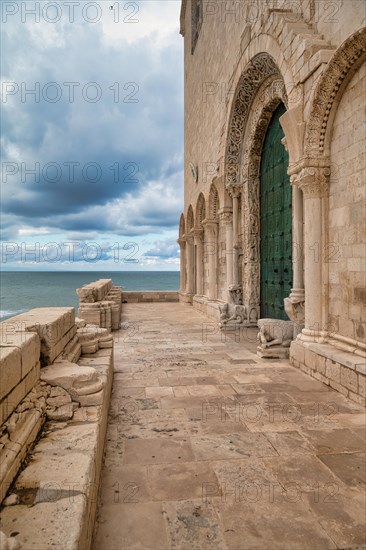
347	230
56	375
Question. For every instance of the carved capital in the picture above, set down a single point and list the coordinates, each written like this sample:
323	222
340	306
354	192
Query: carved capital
313	181
181	241
209	225
208	222
198	235
226	218
234	191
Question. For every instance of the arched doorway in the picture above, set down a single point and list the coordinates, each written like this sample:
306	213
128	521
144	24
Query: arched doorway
275	222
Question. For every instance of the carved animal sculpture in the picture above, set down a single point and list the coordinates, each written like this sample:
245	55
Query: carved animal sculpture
275	332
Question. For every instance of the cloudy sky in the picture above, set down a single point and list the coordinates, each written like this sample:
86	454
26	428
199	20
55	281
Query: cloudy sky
92	135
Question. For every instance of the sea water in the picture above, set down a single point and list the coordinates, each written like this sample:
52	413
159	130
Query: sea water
21	291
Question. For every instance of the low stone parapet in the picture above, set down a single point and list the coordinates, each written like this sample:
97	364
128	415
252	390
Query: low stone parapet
94	292
134	297
54	326
56	374
55	497
100	303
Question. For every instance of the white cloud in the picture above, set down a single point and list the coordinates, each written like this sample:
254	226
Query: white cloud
154	21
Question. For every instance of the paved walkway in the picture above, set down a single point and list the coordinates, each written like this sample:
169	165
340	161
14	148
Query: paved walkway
209	447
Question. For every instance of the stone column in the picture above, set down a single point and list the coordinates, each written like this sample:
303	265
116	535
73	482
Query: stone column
234	192
313	181
295	303
182	245
297	239
190	264
198	241
226	219
211	252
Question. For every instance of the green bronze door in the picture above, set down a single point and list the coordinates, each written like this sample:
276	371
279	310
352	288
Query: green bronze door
276	222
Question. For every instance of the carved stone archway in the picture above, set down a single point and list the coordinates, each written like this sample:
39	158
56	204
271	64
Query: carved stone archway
313	174
259	69
268	98
346	60
261	89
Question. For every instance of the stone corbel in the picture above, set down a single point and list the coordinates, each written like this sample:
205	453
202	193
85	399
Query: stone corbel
295	306
293	126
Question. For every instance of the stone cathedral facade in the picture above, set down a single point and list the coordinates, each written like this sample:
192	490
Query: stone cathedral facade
274	204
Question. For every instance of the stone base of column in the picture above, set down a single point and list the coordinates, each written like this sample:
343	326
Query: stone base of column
186	298
308	335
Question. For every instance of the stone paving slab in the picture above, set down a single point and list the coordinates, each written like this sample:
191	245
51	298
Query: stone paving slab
211	447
